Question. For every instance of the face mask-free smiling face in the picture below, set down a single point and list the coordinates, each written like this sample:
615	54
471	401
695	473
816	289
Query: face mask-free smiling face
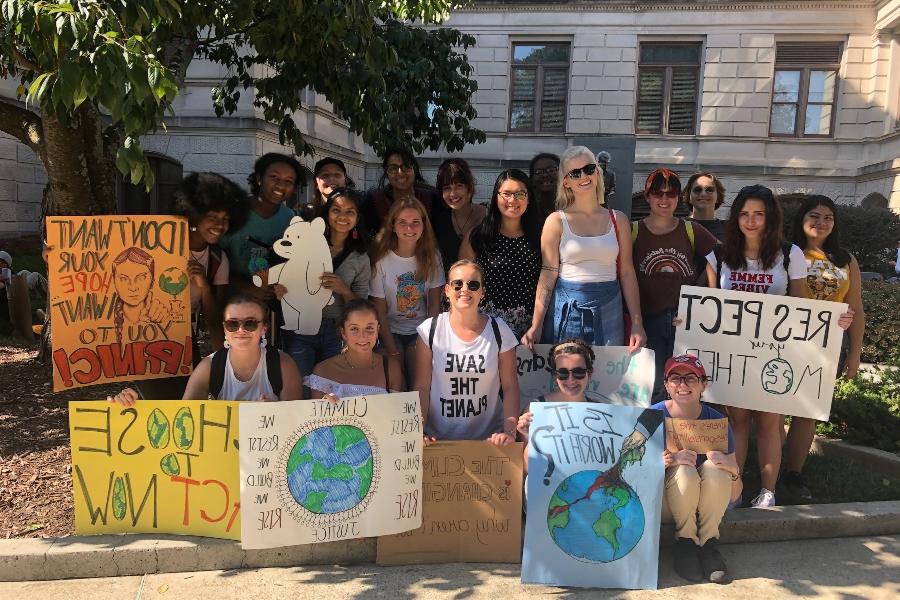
752	219
329	178
703	193
572	365
246	315
343	215
459	288
213	225
360	330
581	175
400	174
512	199
278	183
818	224
408	225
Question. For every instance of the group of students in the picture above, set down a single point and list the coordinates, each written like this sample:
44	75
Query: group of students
544	262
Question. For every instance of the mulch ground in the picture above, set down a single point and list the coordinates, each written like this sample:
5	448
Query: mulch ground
35	461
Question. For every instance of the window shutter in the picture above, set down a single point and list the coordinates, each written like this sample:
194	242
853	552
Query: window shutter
804	53
683	100
650	100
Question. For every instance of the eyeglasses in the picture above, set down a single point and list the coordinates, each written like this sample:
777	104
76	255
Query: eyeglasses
457	285
685	379
667	193
395	169
520	196
697	189
248	325
586	170
577	373
547	171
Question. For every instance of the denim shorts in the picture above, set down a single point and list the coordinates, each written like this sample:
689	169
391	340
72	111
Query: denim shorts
405	340
589	311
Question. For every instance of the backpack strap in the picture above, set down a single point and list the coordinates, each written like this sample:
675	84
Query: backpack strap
432	330
496	329
689	228
273	370
217	373
634	231
612	218
212	265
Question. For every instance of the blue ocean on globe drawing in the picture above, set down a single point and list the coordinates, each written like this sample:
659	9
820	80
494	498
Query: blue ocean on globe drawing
599	525
329	469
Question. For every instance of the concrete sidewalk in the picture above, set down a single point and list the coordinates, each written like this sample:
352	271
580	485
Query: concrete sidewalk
865	567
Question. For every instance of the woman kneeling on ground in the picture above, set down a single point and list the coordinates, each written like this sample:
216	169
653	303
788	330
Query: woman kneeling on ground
698	486
248	372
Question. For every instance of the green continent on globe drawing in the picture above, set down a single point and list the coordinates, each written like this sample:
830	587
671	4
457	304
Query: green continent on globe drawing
560	519
607	527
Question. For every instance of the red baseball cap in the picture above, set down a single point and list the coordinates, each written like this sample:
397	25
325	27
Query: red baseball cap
689	362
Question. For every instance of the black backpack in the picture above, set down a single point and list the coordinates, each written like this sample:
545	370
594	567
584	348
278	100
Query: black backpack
785	262
217	372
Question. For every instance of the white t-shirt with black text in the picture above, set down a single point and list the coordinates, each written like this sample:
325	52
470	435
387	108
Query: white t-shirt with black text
394	279
465	381
762	281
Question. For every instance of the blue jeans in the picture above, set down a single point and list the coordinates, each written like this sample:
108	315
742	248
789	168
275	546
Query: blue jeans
660	339
589	311
307	350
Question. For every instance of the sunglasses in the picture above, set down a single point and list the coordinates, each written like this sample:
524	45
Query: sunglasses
233	325
395	169
547	171
577	373
586	170
667	193
697	189
679	379
457	285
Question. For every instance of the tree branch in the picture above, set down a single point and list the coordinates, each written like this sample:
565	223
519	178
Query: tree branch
23	125
23	60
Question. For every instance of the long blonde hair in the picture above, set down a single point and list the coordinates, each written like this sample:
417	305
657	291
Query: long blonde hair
564	196
426	246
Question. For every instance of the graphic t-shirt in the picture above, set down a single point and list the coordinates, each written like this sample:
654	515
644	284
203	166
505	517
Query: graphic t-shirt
394	279
763	281
250	247
664	263
824	279
465	381
706	413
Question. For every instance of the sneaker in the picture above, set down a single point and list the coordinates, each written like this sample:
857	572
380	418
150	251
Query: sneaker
712	564
686	556
765	499
794	484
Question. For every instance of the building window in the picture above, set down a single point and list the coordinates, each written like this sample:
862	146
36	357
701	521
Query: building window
668	76
136	200
540	82
806	79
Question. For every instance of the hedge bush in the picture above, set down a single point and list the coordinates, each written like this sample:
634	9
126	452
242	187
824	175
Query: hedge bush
881	342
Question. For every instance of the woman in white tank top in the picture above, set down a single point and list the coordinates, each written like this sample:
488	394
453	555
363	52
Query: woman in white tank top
585	271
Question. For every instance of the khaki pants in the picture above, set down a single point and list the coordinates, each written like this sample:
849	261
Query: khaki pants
695	499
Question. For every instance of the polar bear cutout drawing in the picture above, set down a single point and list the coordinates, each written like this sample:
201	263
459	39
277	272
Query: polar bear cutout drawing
306	250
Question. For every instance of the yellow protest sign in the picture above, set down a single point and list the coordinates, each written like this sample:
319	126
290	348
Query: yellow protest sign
697	435
119	298
163	466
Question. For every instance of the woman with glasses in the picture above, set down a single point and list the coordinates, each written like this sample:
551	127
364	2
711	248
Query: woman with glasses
507	246
585	269
667	254
703	194
460	215
464	359
698	485
544	173
244	369
401	179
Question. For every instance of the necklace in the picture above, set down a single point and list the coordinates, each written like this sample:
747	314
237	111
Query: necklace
350	364
461	230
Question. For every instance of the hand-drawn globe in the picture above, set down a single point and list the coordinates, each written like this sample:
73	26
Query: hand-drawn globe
594	518
329	469
777	376
173	280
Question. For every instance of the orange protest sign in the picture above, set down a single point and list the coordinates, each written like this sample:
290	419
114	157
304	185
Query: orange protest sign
472	507
119	298
697	435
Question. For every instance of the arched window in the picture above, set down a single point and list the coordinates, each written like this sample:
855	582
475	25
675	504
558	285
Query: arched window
874	200
136	200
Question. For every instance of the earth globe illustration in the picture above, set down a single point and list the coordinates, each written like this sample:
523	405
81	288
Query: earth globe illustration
329	469
595	517
173	280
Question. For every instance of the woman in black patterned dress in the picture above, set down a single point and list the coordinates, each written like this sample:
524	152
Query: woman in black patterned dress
507	246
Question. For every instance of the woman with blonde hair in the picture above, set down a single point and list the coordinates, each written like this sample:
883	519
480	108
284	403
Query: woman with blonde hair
585	269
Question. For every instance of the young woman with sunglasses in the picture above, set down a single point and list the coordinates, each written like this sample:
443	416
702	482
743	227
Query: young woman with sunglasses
703	194
459	215
698	486
358	370
507	246
463	360
401	179
667	254
585	271
832	274
246	371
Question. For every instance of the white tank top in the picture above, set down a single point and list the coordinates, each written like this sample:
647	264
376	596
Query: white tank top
587	259
234	389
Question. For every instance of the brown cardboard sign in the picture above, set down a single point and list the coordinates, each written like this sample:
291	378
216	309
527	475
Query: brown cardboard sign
697	435
471	507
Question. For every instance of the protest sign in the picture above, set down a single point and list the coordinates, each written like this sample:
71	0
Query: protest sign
595	481
119	298
620	377
471	507
775	354
313	471
160	467
698	435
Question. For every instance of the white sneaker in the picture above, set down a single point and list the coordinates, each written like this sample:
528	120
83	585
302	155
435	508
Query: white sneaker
765	499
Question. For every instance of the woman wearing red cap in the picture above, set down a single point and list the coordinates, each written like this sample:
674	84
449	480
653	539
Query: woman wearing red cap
698	486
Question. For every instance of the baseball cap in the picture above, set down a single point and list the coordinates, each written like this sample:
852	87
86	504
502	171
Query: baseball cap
689	362
329	160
